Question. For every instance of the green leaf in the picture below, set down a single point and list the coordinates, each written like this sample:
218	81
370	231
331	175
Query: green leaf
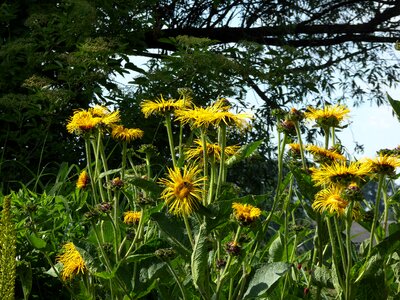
109	172
174	232
147	185
36	242
24	272
395	105
138	257
199	263
276	250
53	271
244	152
264	278
322	276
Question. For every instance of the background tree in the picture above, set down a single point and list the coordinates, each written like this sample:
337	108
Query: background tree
57	56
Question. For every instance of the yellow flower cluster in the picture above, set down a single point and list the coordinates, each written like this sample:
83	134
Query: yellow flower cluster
245	213
213	150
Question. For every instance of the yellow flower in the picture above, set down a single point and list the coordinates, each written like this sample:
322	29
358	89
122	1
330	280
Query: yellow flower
132	217
183	190
330	200
383	164
213	150
161	106
339	173
324	155
213	115
329	116
245	213
121	133
83	180
72	261
81	122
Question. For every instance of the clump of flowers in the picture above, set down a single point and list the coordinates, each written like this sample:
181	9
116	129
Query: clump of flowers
213	150
72	262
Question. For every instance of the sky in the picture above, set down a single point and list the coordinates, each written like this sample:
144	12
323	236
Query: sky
374	127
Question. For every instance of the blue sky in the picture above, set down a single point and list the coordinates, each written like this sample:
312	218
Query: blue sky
374	127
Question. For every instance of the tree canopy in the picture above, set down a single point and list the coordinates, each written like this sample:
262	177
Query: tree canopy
57	56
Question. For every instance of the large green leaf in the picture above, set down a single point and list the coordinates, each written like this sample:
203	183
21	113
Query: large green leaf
174	232
395	105
263	280
199	264
244	152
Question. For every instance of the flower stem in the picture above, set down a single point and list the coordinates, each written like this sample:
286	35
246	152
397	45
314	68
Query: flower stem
349	221
168	125
189	231
298	132
376	214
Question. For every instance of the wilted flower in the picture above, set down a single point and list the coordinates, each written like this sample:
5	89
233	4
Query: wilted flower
287	126
233	248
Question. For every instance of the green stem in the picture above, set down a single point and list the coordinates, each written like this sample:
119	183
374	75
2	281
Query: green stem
376	214
333	136
212	180
222	169
168	125
203	138
341	246
176	279
123	166
326	130
349	221
385	211
334	251
189	231
298	132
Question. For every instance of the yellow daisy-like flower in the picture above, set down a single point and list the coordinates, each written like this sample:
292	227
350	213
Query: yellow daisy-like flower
83	180
183	189
324	155
330	200
245	213
213	150
84	121
161	106
383	164
213	115
121	133
329	116
339	173
72	262
81	122
132	217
